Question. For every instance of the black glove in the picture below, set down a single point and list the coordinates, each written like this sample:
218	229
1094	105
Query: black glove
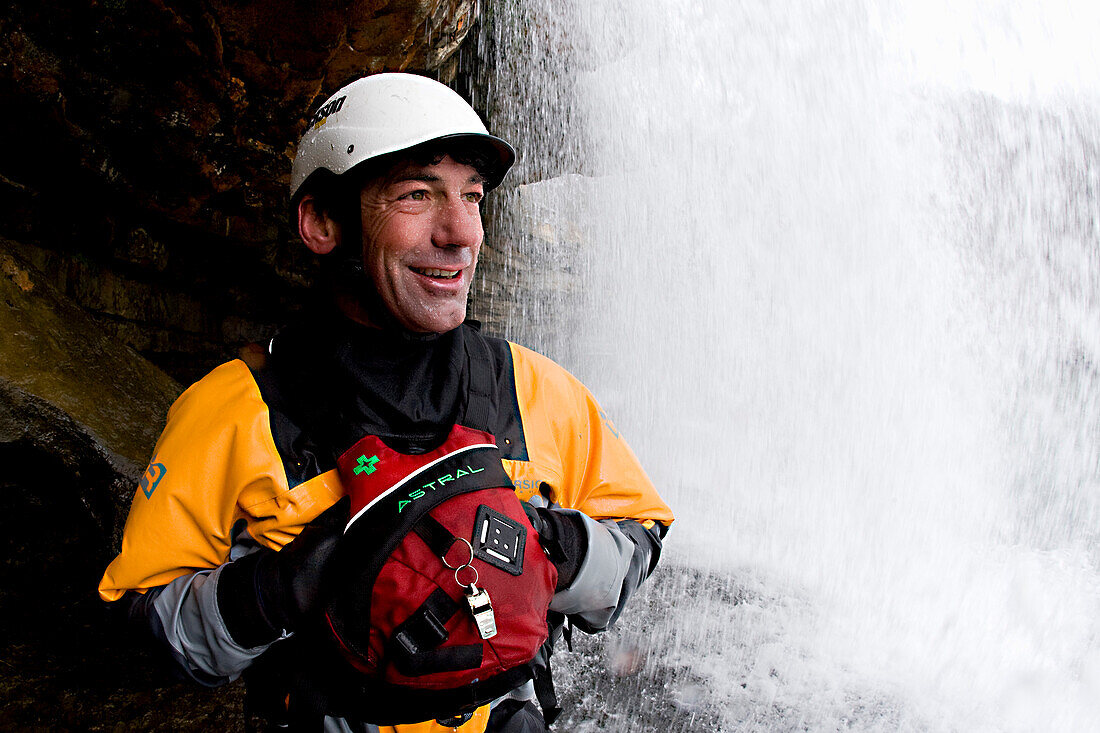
268	592
563	537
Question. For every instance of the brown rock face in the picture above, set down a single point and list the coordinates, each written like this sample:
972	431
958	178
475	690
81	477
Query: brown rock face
175	103
79	413
147	148
150	142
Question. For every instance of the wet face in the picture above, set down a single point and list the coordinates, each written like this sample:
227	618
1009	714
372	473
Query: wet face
421	237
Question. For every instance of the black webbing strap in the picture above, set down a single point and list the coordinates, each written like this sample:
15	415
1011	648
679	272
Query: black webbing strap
480	408
438	538
545	694
543	672
415	645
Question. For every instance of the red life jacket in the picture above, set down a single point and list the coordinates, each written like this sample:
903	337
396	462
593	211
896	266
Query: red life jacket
444	586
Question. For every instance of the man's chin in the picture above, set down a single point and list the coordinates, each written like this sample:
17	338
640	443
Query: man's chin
433	322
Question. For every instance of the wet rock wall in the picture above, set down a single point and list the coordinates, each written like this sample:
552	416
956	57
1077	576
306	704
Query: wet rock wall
148	148
144	238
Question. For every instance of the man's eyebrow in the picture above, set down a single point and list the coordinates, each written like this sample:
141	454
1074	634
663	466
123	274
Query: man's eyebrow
412	176
432	178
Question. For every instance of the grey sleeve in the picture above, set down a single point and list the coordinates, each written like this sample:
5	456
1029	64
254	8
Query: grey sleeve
618	558
185	618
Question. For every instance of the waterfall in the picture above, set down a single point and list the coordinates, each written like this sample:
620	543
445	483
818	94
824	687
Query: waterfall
834	269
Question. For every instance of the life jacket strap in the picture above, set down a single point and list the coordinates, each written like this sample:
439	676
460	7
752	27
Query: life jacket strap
437	537
414	646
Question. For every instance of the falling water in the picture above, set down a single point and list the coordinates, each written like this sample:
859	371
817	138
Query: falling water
834	267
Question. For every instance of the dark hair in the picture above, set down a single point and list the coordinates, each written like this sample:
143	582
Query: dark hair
338	195
462	150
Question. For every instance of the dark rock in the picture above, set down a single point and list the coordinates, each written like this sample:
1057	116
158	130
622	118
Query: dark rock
154	139
143	213
170	105
79	415
73	397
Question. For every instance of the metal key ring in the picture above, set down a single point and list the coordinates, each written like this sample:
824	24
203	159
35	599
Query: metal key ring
472	582
465	564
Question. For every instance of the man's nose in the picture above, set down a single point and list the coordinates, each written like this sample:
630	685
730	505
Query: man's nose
457	224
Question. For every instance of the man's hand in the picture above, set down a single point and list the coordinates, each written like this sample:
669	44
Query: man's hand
563	537
267	593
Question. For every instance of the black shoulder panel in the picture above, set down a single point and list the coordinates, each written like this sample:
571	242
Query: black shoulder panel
302	457
507	423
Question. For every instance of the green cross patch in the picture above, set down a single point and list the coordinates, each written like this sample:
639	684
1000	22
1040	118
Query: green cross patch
366	465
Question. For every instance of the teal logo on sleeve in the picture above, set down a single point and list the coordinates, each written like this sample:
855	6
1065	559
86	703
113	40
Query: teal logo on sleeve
151	478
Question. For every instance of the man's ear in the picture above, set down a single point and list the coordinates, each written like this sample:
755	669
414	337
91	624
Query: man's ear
317	229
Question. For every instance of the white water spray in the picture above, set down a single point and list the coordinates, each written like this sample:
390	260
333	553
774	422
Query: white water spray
834	268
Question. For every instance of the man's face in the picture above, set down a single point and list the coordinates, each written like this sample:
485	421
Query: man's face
421	237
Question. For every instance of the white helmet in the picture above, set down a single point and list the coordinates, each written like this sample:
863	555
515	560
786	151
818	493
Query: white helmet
386	113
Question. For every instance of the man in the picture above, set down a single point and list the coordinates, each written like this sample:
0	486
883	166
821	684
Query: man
226	548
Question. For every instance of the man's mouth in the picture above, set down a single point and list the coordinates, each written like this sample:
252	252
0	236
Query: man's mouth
437	273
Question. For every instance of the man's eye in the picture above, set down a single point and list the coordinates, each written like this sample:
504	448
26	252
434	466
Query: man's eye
414	196
474	197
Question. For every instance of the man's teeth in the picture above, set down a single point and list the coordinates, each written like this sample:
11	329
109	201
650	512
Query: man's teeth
432	272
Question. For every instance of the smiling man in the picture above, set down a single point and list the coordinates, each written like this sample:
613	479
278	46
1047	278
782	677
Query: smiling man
244	558
421	233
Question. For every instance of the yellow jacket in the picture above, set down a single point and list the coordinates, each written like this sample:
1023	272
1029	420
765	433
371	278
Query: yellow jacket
216	470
